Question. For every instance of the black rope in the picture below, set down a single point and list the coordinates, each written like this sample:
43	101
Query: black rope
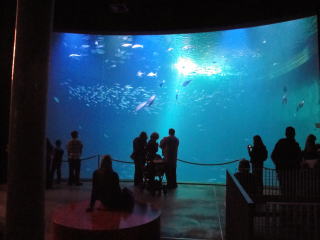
115	160
209	164
83	159
193	163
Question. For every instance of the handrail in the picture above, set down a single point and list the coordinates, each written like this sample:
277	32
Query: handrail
239	211
243	192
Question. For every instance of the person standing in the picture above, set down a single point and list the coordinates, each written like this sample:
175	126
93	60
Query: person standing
310	154
258	154
74	148
57	161
139	157
169	146
49	149
286	156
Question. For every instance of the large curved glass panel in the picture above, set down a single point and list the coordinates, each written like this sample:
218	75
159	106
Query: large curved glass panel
216	89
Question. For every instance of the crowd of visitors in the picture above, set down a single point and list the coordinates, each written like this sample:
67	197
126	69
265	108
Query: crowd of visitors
286	156
288	159
144	151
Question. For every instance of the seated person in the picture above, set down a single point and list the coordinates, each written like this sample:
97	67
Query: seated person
106	188
244	176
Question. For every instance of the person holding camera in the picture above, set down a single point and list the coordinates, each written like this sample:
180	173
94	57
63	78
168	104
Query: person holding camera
258	154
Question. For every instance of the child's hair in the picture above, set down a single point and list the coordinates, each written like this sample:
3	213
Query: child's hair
244	164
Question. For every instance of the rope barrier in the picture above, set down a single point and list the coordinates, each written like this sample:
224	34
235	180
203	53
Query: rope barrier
208	164
193	163
115	160
83	159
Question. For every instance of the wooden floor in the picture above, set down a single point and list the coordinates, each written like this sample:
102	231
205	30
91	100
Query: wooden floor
188	212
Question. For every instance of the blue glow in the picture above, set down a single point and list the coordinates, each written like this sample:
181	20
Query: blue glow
217	89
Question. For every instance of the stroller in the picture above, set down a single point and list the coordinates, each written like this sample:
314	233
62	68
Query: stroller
153	174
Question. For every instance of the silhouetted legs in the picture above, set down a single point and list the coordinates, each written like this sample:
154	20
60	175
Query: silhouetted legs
171	176
138	172
74	171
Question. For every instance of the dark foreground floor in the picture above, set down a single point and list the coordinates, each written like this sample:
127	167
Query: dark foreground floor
189	212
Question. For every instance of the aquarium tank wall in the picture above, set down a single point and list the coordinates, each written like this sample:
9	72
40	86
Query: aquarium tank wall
217	89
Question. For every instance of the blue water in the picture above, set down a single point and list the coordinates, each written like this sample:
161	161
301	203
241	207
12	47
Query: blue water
216	89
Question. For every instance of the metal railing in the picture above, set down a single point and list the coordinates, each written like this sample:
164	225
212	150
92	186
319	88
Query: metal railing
287	221
239	211
288	207
295	185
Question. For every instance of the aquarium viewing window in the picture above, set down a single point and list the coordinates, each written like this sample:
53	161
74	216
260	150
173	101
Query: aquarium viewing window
216	89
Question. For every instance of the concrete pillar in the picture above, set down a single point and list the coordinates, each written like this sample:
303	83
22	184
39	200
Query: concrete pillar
26	160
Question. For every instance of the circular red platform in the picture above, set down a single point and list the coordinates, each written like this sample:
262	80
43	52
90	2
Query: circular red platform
71	221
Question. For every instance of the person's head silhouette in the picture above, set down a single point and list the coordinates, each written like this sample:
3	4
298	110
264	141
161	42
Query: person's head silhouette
172	132
74	134
290	132
143	135
106	162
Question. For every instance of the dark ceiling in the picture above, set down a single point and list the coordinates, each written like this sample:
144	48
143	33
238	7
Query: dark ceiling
127	16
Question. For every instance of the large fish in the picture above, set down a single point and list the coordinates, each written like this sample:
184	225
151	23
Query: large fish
147	103
140	106
151	100
186	83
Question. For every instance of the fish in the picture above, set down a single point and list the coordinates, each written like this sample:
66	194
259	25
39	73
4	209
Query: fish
285	89
152	74
284	99
74	55
137	46
126	45
56	100
151	100
186	83
140	74
140	106
186	47
300	105
147	103
161	83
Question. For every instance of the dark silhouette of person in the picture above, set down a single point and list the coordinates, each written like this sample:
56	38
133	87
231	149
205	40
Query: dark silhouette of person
258	154
74	148
151	155
106	188
309	182
152	147
310	154
287	152
57	161
286	156
169	146
245	178
49	149
139	157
